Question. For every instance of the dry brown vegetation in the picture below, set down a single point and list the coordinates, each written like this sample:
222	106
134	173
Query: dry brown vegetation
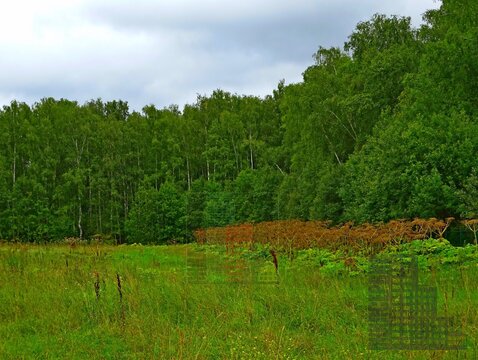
296	234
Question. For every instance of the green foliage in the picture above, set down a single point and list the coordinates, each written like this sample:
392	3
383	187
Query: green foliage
163	315
469	195
327	204
412	168
435	253
196	199
254	194
220	208
157	216
385	127
379	34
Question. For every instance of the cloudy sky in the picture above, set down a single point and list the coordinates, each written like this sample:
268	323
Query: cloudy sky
167	51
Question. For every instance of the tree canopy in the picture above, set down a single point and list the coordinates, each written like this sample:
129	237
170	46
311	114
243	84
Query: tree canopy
385	127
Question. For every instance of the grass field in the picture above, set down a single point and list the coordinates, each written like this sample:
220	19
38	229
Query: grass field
140	302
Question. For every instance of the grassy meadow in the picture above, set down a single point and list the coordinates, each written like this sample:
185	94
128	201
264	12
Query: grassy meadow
145	302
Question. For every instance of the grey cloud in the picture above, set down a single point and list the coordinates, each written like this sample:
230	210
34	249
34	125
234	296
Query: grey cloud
287	31
291	30
166	52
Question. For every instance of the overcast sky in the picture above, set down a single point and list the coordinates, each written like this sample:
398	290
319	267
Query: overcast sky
166	52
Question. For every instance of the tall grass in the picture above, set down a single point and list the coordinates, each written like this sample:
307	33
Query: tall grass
126	302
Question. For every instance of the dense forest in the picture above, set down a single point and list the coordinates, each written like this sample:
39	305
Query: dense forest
385	127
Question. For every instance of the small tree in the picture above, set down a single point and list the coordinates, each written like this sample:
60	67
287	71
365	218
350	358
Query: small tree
469	196
472	225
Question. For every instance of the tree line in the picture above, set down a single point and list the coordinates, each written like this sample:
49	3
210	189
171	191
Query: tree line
382	128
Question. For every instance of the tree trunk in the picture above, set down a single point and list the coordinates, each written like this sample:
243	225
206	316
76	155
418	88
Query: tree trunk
250	150
189	172
14	172
80	227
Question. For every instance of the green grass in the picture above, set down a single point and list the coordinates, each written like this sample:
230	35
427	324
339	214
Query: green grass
318	309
